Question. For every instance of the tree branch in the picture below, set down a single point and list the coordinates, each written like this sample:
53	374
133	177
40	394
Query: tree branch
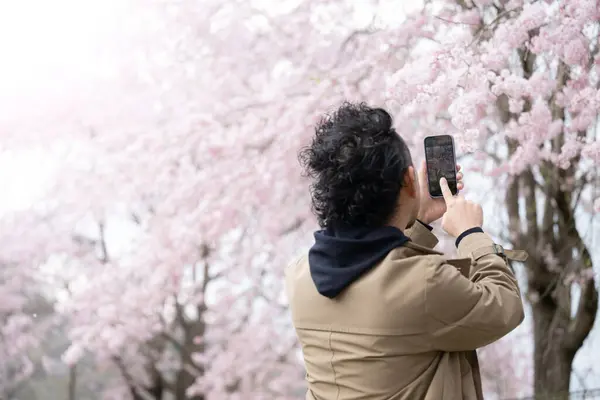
204	253
103	249
132	386
179	313
512	202
531	205
169	338
492	24
583	322
297	223
181	350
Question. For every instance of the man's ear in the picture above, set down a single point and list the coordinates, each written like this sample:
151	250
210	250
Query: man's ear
410	182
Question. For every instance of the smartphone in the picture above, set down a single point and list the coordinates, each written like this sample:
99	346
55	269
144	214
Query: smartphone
440	158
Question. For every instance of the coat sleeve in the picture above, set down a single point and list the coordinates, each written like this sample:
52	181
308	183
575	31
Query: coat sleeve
421	234
465	314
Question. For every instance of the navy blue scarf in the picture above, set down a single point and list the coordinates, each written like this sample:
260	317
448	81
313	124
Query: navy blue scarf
341	255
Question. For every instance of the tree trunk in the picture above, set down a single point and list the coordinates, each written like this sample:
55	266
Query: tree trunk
549	231
552	362
72	382
188	372
556	252
558	333
192	330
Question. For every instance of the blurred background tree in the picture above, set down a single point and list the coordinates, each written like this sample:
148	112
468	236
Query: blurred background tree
153	197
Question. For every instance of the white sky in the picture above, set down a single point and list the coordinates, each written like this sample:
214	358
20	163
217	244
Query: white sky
49	39
51	51
24	177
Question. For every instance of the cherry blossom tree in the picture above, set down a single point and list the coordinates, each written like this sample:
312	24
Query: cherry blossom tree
210	179
26	318
15	335
192	150
517	83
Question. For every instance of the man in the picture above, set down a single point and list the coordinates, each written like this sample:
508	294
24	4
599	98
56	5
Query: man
379	313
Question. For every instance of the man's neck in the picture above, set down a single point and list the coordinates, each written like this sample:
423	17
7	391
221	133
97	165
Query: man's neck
402	222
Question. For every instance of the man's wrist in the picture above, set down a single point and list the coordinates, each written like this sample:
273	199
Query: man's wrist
466	233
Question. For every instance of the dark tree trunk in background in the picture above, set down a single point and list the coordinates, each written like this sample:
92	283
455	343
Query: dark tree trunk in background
189	371
192	330
549	230
72	382
552	361
558	255
558	259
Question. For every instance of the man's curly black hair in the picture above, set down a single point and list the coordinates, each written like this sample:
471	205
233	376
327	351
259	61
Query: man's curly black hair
357	162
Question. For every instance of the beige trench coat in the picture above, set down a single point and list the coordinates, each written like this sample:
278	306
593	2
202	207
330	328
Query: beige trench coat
409	328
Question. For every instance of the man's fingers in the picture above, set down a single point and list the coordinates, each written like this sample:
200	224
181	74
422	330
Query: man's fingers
446	191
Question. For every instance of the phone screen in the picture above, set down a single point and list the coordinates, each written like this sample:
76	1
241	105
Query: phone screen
441	162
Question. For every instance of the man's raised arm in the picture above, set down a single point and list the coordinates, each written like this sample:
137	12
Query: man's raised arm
468	313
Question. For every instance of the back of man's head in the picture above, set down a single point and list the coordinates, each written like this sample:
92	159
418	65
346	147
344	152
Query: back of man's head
357	163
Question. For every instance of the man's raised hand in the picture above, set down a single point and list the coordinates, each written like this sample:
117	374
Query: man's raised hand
461	214
432	209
